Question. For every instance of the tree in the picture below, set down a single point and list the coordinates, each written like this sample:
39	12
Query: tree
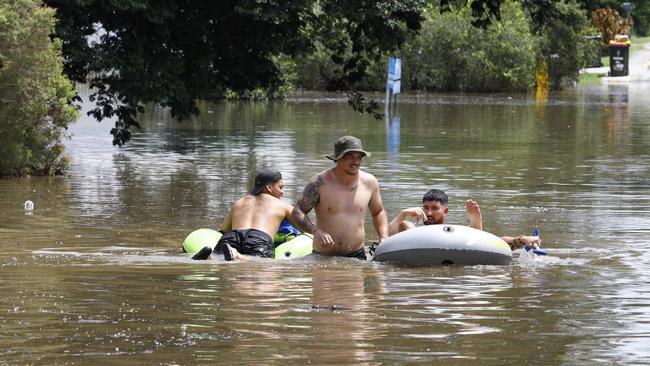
641	17
484	12
562	26
640	12
610	23
175	52
35	97
452	54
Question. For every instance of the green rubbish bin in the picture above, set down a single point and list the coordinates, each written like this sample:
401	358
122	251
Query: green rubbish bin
619	58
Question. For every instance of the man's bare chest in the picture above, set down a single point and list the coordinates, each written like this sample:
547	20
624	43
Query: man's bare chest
348	200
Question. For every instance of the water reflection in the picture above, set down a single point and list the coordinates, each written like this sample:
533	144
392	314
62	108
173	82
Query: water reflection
392	135
341	298
617	115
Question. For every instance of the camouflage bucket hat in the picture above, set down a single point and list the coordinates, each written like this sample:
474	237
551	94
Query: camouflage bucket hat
345	144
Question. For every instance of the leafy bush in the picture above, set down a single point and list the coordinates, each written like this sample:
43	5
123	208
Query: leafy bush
315	71
641	17
35	97
452	55
564	45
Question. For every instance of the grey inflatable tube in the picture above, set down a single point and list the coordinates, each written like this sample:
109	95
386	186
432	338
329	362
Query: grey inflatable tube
444	245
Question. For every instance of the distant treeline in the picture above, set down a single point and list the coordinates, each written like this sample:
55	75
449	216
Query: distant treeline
531	39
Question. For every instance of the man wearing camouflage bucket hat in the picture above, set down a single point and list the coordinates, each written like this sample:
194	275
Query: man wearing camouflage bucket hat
340	197
345	144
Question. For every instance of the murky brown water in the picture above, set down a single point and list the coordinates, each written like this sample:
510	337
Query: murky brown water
94	275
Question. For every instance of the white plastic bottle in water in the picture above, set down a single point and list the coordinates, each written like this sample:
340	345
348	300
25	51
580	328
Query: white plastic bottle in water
29	206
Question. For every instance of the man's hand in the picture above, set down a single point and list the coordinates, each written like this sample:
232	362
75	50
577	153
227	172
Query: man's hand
415	212
534	242
474	214
398	224
323	238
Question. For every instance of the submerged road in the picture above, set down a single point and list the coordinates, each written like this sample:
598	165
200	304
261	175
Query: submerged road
640	63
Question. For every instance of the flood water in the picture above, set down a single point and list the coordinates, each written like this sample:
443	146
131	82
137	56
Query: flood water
94	275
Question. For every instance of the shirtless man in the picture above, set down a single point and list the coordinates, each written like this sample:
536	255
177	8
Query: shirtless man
255	218
341	196
434	211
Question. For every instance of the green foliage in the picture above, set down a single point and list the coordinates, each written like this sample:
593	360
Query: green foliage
177	52
590	5
641	17
35	97
454	52
485	12
315	71
286	72
450	54
589	79
562	26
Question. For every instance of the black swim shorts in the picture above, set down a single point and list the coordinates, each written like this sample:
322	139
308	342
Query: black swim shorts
250	242
359	254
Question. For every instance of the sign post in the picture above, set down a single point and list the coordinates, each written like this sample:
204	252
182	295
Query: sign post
393	82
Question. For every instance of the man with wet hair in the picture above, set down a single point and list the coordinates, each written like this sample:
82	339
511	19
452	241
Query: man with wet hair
434	211
255	218
341	196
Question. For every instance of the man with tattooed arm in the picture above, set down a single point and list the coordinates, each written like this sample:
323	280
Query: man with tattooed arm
340	197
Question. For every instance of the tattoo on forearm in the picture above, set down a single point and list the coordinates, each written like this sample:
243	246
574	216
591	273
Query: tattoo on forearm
310	195
308	199
302	220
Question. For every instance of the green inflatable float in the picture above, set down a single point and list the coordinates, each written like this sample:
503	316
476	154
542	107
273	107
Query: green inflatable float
198	239
196	243
299	246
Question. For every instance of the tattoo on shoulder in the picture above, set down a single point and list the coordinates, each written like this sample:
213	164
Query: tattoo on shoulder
311	195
